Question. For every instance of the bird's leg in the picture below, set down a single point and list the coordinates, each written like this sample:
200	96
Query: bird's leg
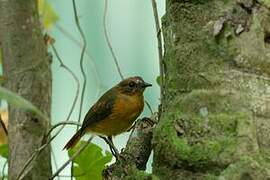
112	145
107	141
113	149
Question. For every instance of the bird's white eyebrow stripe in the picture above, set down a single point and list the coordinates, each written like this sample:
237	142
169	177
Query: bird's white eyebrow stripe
139	81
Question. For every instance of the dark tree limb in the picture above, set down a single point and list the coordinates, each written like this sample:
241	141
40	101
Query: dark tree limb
27	69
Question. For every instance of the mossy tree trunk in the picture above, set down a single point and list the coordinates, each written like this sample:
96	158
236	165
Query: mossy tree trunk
28	73
216	110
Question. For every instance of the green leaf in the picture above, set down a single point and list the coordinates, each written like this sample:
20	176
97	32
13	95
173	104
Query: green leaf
4	151
47	13
90	163
18	101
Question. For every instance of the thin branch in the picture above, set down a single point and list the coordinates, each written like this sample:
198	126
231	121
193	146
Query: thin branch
81	65
108	40
149	107
72	158
132	130
64	123
82	55
160	51
28	162
55	162
41	148
111	48
87	53
74	77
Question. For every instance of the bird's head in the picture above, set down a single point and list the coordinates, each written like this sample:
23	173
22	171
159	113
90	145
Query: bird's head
132	86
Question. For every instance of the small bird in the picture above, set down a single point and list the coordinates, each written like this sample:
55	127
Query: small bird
114	112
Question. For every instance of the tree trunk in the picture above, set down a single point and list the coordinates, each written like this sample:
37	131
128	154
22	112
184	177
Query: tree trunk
28	73
215	121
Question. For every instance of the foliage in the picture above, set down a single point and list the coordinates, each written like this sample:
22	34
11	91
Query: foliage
47	14
90	163
4	151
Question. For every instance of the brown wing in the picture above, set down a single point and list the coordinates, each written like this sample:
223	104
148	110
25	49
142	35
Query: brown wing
100	110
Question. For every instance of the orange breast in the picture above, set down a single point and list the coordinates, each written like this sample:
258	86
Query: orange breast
125	111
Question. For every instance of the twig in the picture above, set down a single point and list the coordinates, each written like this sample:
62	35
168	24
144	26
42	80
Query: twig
132	130
74	77
37	151
108	40
34	155
82	55
81	65
149	107
87	53
62	124
111	48
72	158
55	162
160	51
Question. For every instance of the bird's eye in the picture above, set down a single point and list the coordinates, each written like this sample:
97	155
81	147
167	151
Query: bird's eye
131	84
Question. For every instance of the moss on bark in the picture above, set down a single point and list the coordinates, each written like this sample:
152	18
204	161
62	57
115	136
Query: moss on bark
215	119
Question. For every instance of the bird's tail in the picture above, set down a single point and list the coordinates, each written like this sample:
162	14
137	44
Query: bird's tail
74	140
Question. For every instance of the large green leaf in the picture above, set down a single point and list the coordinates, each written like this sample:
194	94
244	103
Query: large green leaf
90	163
18	101
47	13
4	151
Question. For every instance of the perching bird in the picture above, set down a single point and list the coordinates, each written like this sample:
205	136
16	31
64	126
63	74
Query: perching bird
114	112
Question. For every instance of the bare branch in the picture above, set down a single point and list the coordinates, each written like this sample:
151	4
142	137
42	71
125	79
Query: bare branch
81	65
108	40
40	149
160	51
64	123
55	162
149	106
82	55
87	53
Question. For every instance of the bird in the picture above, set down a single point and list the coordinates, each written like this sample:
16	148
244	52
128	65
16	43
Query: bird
114	112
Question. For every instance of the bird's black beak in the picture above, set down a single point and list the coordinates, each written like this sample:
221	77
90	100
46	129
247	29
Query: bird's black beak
145	85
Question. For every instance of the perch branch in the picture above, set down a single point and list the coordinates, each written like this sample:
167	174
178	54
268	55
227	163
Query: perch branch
137	151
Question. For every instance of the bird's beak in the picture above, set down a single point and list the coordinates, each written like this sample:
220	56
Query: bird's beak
144	85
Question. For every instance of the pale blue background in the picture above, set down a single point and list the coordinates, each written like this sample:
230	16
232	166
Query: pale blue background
132	33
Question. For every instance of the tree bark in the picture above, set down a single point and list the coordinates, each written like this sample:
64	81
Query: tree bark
215	122
28	73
